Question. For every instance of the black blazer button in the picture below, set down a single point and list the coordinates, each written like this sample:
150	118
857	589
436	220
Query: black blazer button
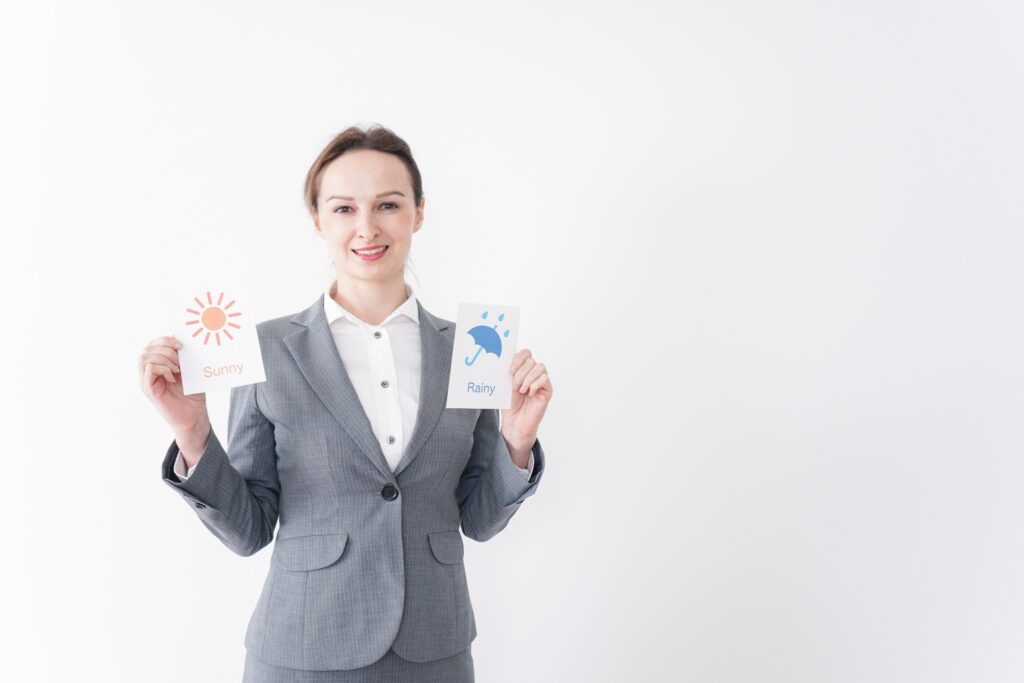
389	492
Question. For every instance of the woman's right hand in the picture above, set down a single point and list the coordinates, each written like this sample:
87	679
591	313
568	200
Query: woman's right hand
160	376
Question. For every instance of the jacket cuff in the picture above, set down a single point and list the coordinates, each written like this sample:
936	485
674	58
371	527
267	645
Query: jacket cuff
512	479
200	486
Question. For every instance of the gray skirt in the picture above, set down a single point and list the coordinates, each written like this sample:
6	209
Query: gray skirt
388	669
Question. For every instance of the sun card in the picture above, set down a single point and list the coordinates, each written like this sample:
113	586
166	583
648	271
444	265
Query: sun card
485	341
216	324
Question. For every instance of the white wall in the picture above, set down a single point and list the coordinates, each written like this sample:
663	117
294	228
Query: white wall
770	253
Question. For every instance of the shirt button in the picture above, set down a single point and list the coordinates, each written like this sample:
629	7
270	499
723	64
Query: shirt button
385	384
391	439
389	492
377	334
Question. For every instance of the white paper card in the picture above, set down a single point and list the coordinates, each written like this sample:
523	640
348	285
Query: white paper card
216	324
485	341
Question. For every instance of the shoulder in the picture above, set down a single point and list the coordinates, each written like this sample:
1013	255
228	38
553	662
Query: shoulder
443	325
274	329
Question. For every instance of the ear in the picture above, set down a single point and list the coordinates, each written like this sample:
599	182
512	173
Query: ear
419	214
316	224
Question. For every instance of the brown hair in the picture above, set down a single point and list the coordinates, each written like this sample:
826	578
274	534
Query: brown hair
375	137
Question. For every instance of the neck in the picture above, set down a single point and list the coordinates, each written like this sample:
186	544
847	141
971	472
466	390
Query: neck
369	300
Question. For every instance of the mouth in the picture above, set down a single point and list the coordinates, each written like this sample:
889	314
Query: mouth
371	253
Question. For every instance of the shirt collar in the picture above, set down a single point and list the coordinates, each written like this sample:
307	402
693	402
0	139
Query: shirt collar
333	310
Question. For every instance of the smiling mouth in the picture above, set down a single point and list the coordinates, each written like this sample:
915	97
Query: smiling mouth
371	252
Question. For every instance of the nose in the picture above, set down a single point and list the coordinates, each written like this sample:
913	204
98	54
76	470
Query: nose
366	229
366	226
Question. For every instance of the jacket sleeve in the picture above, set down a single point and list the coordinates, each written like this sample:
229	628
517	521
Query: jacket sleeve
235	492
492	488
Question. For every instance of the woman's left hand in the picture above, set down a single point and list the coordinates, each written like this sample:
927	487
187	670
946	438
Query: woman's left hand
531	391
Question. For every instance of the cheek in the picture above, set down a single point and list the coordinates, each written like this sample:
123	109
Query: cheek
337	234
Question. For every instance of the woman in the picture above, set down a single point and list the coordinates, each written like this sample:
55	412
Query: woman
349	446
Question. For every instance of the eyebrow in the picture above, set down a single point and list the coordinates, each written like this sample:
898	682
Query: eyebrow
382	194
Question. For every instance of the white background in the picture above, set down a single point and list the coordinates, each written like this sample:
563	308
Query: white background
770	253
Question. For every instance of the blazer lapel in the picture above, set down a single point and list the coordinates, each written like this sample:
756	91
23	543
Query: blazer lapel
436	350
312	346
314	351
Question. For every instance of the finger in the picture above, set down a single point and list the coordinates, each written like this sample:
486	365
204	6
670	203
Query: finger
161	359
513	367
151	375
166	341
160	352
169	351
536	370
521	373
161	370
170	354
541	382
517	360
167	374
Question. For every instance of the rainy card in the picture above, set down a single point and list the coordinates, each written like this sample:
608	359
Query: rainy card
485	341
216	325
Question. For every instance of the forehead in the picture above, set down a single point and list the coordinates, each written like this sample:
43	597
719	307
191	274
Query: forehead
364	171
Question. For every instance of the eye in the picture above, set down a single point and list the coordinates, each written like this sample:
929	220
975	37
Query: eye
338	209
392	204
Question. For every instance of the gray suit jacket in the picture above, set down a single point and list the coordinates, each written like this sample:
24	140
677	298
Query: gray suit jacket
365	559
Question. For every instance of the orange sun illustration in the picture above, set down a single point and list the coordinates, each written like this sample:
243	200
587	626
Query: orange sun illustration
213	318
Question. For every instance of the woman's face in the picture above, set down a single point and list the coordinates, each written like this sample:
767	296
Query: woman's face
366	200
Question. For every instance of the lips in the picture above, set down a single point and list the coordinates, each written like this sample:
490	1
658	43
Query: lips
371	250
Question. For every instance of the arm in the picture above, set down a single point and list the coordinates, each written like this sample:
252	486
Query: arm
234	492
492	488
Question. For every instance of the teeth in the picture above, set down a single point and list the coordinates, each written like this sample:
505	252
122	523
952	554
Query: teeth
370	253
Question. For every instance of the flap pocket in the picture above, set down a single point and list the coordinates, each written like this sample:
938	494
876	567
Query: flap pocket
304	553
447	546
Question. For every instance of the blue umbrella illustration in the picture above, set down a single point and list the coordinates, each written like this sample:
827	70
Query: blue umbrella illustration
486	338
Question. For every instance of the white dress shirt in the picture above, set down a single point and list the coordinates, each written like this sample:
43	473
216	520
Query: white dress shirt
394	355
